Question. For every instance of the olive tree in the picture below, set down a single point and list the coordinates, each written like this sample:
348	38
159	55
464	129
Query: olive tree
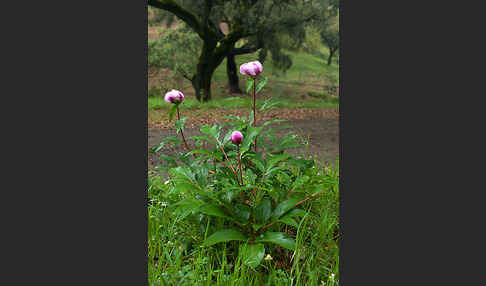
253	25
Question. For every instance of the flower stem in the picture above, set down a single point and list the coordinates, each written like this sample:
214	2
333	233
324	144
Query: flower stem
254	107
231	165
182	132
239	164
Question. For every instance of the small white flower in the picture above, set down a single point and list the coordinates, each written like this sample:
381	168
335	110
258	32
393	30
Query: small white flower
164	204
166	182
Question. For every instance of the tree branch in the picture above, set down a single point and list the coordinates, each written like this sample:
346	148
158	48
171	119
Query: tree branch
183	14
184	73
246	50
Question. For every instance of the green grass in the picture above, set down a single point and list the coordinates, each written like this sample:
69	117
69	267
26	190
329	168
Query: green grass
158	103
308	74
176	257
305	66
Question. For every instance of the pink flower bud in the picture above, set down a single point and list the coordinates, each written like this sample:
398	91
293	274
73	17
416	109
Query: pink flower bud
252	69
174	96
236	137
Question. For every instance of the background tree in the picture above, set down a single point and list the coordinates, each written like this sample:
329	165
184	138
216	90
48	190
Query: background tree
175	50
253	25
331	39
330	29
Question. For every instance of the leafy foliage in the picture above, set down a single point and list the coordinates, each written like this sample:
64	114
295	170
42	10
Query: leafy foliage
267	196
176	50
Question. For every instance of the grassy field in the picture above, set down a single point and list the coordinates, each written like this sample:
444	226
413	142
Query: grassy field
176	256
302	86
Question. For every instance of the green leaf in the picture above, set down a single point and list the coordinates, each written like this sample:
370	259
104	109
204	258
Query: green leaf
183	173
185	207
274	159
214	210
273	121
251	118
279	238
288	220
261	84
240	212
202	138
251	176
211	130
249	84
180	124
284	207
172	111
250	135
182	187
263	211
300	181
168	139
206	129
199	151
215	131
284	179
224	236
257	226
296	212
252	254
270	172
229	195
268	104
258	161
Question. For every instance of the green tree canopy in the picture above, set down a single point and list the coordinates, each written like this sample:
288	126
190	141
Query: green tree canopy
257	24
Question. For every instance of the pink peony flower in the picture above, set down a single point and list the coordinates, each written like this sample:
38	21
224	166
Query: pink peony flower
174	96
252	69
236	137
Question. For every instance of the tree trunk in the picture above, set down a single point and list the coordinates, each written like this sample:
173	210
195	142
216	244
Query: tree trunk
202	86
205	69
329	60
231	72
211	57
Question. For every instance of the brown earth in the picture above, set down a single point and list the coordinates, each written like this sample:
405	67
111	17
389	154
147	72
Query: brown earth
320	126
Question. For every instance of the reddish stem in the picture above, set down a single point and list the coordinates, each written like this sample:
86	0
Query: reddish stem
182	132
231	165
303	201
265	227
239	164
254	109
254	100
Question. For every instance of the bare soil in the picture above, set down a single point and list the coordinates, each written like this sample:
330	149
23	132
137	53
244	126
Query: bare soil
321	129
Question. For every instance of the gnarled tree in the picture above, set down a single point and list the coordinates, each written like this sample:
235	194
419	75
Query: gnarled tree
257	23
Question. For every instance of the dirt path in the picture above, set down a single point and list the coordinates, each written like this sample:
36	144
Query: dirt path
323	135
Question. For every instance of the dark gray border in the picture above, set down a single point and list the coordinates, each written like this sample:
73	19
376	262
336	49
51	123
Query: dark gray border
78	74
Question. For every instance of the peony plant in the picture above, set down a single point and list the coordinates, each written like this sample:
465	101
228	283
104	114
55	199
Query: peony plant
252	201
